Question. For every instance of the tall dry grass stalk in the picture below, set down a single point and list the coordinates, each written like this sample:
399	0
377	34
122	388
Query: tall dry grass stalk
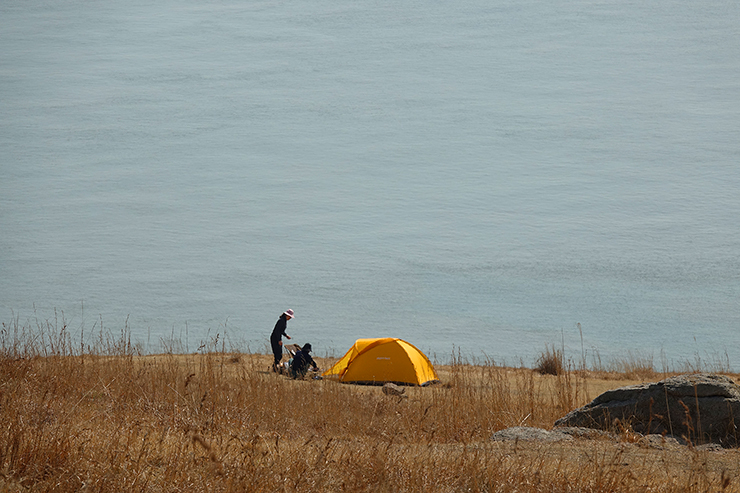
102	417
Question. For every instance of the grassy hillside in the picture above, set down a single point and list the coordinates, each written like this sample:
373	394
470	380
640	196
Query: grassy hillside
105	418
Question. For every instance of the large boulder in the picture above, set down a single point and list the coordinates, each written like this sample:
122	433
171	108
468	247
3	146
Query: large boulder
701	408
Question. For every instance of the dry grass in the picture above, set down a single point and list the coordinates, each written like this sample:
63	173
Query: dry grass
104	418
550	362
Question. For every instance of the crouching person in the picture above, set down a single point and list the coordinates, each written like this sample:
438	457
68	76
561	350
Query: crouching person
301	361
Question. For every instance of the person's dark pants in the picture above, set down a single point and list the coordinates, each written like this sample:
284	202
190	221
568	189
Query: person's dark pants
277	351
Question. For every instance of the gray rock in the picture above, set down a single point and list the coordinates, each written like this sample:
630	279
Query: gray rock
660	441
528	434
710	447
702	408
393	389
582	432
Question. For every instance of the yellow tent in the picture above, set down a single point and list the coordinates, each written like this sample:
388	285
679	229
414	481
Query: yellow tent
377	361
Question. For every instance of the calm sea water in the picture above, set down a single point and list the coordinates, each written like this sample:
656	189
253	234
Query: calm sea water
477	177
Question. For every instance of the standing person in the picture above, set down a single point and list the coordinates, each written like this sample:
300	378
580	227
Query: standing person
301	361
276	339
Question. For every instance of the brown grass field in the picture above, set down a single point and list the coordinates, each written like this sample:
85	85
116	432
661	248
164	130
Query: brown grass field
108	419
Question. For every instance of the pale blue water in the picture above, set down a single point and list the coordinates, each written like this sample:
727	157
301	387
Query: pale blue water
478	176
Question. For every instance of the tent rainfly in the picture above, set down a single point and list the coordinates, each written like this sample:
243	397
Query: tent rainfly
383	360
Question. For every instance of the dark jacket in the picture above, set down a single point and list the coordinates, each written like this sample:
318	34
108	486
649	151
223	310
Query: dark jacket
301	361
279	331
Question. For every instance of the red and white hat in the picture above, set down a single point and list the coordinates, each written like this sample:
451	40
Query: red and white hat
289	313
